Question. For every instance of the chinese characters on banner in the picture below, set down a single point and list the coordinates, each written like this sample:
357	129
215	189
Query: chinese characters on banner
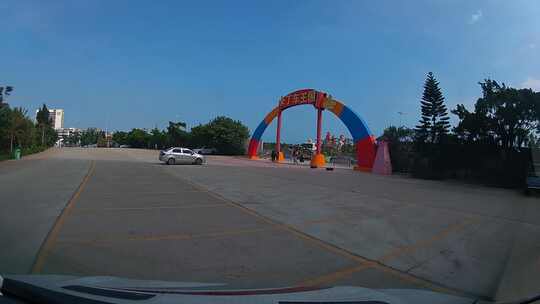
298	98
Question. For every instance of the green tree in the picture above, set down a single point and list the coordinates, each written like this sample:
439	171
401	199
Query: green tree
394	134
226	135
158	139
90	136
4	93
400	144
43	121
73	139
5	113
138	138
19	128
177	134
120	137
5	116
434	123
503	116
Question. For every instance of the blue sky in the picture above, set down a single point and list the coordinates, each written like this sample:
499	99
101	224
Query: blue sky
124	64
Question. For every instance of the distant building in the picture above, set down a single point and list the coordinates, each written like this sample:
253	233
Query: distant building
66	132
56	117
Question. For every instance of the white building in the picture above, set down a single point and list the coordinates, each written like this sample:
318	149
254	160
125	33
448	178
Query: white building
66	132
56	117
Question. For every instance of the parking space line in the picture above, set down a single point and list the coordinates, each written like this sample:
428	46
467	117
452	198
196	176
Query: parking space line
327	246
180	236
153	193
226	233
425	243
334	276
150	208
364	263
51	237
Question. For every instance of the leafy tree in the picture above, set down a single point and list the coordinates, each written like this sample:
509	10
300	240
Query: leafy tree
90	136
177	134
19	128
228	136
4	93
120	137
5	113
73	139
158	139
503	116
434	123
395	134
138	138
102	141
400	143
50	136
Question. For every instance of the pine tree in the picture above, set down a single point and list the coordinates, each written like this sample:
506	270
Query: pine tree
434	123
42	119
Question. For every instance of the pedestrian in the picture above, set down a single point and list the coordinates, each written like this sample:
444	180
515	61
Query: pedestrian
296	153
273	155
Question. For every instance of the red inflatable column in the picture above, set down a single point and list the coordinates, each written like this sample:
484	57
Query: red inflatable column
365	153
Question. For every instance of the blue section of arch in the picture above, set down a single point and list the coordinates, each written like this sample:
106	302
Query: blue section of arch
260	130
356	125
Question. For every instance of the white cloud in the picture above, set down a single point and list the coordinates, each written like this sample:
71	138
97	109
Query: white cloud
531	83
532	46
475	17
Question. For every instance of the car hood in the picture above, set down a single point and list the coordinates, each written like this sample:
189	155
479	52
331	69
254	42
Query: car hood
104	289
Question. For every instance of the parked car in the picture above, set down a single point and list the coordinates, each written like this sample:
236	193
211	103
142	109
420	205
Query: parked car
533	184
177	155
205	151
533	179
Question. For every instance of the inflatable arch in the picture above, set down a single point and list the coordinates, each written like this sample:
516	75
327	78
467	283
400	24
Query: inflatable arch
362	136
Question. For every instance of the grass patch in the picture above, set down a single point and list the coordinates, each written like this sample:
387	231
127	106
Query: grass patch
24	152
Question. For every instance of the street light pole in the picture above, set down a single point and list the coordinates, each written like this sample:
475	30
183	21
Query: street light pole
400	118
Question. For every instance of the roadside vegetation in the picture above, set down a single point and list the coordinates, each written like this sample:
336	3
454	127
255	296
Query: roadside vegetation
19	131
491	143
227	136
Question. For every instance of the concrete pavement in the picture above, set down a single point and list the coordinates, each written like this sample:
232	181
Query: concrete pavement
480	240
33	194
257	224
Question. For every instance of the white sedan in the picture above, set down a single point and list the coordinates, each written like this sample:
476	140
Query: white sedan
177	155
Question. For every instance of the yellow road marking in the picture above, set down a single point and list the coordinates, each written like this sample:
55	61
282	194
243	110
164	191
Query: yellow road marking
53	234
424	243
153	193
363	262
334	276
296	232
180	236
150	208
202	235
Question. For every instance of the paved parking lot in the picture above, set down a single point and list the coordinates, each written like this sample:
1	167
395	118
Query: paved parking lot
257	224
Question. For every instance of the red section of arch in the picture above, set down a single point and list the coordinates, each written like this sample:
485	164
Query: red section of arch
253	147
365	153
